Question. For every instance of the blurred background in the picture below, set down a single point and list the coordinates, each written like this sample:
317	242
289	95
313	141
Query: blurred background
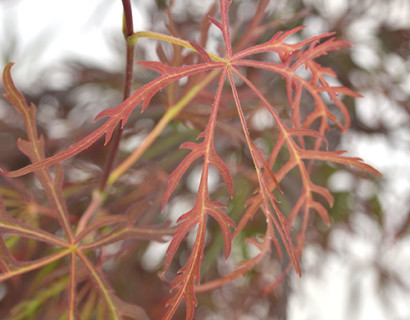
69	57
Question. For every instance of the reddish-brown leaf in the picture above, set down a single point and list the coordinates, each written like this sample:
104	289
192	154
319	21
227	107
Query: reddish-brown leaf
121	112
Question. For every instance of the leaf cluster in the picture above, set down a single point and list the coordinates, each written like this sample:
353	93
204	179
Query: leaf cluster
220	99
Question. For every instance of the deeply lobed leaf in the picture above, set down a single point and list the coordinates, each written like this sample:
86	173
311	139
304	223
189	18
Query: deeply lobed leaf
120	113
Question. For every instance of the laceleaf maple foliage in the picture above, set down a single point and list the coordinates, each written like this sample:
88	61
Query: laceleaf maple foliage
302	137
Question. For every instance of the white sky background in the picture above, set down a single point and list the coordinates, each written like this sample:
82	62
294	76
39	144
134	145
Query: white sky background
88	29
62	29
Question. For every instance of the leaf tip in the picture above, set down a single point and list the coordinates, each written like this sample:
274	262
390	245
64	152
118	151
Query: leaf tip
7	67
3	172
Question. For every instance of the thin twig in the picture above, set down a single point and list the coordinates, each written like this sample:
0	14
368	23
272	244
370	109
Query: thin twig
128	30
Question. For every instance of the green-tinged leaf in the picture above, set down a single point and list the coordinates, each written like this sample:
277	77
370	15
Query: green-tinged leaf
7	261
10	225
28	308
18	267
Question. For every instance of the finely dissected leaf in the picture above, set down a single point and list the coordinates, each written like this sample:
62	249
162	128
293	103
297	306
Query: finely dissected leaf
121	112
189	275
295	160
198	150
277	44
17	268
293	56
33	147
266	178
213	209
184	283
224	26
35	144
335	156
19	102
